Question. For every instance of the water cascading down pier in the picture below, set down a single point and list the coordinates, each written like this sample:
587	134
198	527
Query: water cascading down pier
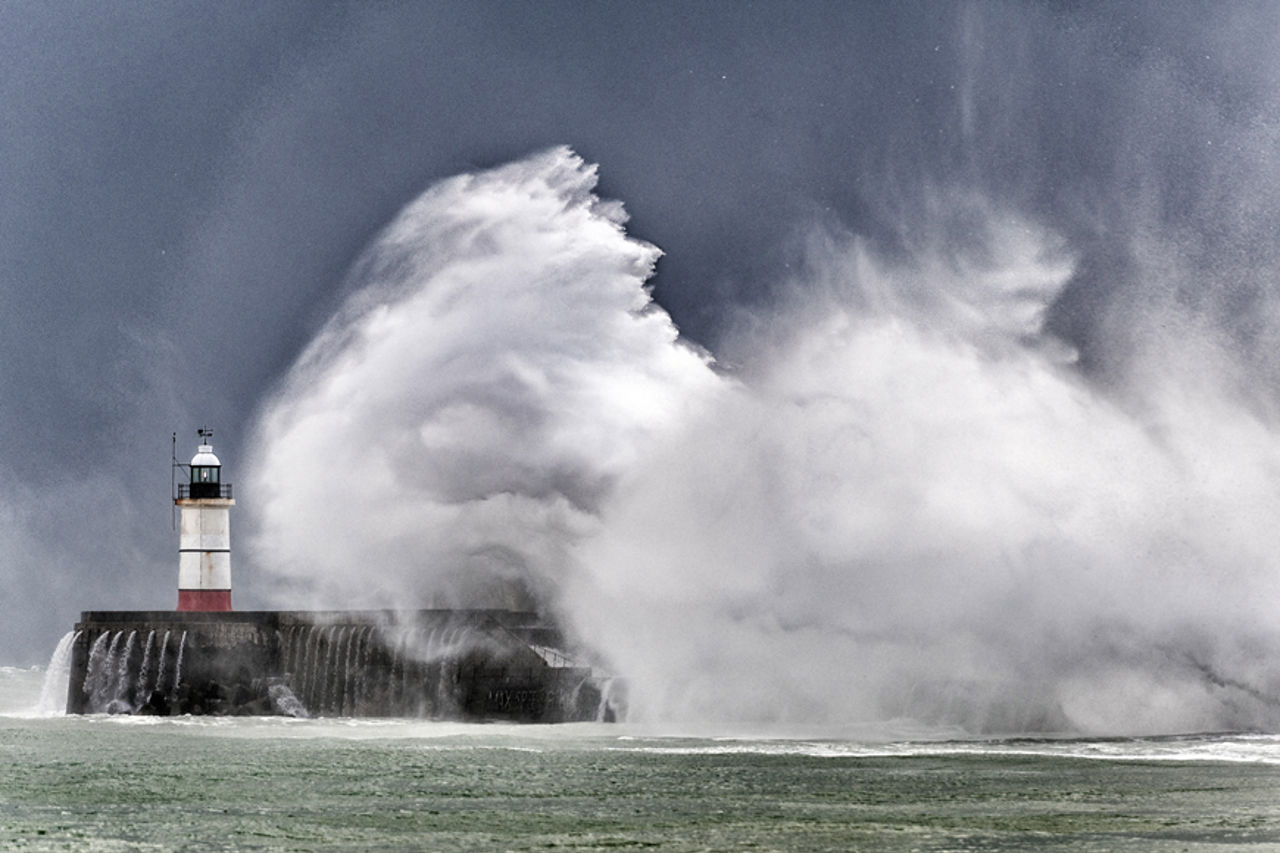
434	664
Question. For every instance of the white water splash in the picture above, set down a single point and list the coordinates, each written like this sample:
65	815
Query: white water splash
284	702
906	504
53	693
160	664
96	674
177	666
123	682
512	303
144	675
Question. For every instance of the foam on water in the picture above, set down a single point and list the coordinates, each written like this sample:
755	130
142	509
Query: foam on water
324	785
23	695
20	690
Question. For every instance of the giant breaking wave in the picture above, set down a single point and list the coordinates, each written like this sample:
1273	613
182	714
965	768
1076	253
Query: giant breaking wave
902	503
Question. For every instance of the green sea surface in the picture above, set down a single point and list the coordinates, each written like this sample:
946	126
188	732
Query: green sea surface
106	784
118	783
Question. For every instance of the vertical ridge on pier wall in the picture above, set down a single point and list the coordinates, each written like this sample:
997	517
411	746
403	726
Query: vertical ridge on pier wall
437	664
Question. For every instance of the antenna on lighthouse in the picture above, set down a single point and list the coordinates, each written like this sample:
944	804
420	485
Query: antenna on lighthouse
173	484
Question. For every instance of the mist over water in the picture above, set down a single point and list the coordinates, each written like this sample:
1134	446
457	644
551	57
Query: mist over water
897	498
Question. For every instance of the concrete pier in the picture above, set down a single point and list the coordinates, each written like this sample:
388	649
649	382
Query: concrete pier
436	664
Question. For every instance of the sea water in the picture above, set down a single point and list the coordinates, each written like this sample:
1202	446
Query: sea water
200	783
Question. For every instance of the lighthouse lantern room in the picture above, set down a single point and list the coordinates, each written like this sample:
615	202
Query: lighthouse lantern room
204	546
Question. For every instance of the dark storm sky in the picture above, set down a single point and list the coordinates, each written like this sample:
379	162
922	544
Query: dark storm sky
184	185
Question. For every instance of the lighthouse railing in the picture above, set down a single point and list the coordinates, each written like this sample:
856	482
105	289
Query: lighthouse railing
187	491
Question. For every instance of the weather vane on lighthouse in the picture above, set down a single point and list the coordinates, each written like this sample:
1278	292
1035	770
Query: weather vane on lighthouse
204	544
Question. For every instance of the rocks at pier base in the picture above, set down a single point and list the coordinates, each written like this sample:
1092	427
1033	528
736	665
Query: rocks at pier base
434	664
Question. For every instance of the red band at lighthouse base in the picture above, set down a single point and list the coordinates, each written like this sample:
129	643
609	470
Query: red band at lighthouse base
204	599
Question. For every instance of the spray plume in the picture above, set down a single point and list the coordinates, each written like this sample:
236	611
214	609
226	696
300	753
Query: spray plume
497	368
906	502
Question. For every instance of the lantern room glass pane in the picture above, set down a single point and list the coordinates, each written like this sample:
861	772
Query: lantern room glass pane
200	474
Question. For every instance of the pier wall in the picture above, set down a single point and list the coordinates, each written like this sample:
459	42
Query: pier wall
435	664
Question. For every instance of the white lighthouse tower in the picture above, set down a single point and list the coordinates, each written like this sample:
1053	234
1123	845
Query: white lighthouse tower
204	545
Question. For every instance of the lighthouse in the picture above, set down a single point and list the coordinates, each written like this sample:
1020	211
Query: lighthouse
204	545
